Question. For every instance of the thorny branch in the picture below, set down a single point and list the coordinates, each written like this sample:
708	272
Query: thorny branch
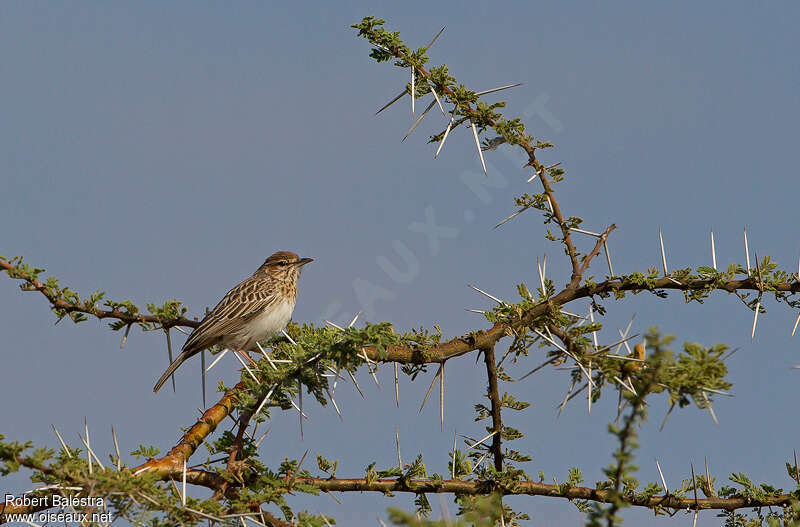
494	396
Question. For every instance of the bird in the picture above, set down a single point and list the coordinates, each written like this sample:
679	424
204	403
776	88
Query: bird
256	309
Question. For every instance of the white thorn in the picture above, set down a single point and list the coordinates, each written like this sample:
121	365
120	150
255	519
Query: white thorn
478	463
392	101
589	398
396	386
116	448
87	443
266	356
246	368
419	120
746	252
444	137
663	254
430	388
453	468
183	487
713	252
608	259
350	325
710	409
340	328
485	92
217	359
397	443
300	398
591	319
264	401
297	408
288	337
755	320
588	233
476	443
355	383
478	145
484	293
435	96
663	482
795	324
441	397
413	96
509	218
61	440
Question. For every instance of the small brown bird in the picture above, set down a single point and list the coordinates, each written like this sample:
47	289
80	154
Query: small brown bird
256	309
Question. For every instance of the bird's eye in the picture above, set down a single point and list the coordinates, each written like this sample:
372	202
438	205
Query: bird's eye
283	263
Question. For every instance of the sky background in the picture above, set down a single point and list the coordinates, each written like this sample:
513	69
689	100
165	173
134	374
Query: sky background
159	151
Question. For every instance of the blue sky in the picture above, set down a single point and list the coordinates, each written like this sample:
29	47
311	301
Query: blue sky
163	151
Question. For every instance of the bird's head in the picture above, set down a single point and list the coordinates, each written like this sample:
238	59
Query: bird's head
284	265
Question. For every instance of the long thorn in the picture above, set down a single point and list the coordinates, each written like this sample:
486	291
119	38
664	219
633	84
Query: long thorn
87	443
663	482
478	146
476	443
713	252
246	368
453	468
183	485
589	398
430	388
397	443
396	387
125	337
61	440
116	448
413	95
746	252
444	137
419	120
511	217
169	351
217	360
434	39
266	356
264	401
300	397
436	96
608	258
755	320
486	92
663	253
795	324
352	322
355	383
392	101
441	396
710	409
484	293
203	375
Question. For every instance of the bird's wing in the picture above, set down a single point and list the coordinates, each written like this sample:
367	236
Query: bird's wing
236	308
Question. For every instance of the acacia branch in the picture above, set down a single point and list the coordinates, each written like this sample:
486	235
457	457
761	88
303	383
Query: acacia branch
494	396
58	303
530	488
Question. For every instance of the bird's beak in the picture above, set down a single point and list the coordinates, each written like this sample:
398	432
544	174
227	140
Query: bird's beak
303	261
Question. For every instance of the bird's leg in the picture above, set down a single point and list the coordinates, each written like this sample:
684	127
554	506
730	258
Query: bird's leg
246	356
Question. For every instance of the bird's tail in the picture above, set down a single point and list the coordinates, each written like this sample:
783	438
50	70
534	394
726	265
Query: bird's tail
172	367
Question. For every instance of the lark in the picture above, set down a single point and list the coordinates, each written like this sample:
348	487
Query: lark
257	309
